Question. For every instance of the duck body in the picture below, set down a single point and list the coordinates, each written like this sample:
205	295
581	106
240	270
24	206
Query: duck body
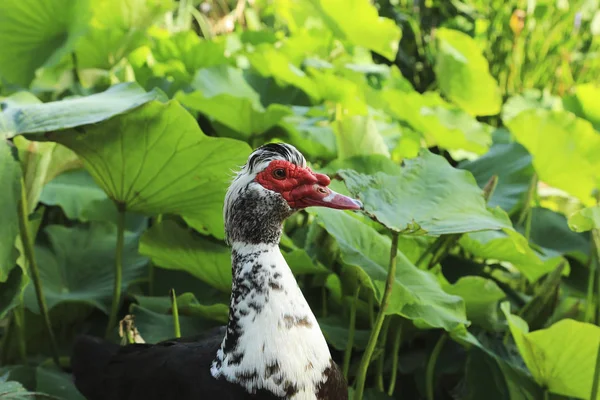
173	369
272	346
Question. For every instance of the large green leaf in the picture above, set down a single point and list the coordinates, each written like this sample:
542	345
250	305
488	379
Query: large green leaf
222	93
485	369
561	357
550	231
512	164
77	194
358	135
585	219
34	33
173	247
583	103
311	134
18	118
116	28
270	62
156	160
427	195
529	99
416	294
564	148
481	297
10	181
189	49
358	22
155	327
441	123
48	383
509	246
463	73
79	263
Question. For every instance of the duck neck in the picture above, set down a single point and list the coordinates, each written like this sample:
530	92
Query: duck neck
273	340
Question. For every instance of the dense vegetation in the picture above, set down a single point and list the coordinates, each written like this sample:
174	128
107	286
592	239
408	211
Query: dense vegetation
470	130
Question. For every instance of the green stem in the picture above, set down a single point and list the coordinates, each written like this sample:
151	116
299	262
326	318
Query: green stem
395	351
389	284
152	267
371	311
351	328
430	371
112	320
10	326
547	394
20	325
175	310
76	76
34	272
596	241
432	249
589	298
381	359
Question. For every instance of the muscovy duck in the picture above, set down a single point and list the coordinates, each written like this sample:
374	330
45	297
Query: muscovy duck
272	346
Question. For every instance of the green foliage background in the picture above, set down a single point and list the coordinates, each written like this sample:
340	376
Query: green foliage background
468	128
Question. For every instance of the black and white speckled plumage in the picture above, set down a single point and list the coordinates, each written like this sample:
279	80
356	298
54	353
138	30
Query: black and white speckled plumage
272	347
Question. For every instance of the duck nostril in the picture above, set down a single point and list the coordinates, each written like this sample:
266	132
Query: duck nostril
321	190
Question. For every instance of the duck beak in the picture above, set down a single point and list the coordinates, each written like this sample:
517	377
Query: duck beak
316	195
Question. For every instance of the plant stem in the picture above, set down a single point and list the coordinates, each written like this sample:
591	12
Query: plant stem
151	266
175	310
430	371
351	330
589	298
34	272
389	284
395	350
19	320
112	319
381	358
547	394
371	312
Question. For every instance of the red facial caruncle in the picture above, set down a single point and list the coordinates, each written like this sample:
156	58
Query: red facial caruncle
302	188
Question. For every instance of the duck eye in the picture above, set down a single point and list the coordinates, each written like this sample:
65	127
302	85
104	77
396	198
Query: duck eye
279	173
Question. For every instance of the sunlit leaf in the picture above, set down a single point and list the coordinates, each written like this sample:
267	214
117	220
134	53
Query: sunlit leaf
358	135
189	49
529	99
585	219
222	92
426	195
358	22
583	103
561	357
270	62
564	148
416	294
441	123
463	73
156	160
481	297
35	33
117	28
